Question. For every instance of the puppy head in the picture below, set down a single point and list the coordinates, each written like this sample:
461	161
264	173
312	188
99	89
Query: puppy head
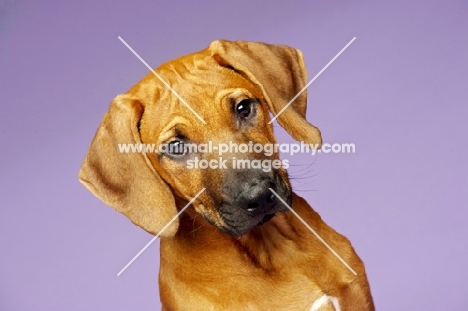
232	86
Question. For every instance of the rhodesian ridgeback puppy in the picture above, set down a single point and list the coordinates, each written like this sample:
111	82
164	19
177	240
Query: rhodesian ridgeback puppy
237	246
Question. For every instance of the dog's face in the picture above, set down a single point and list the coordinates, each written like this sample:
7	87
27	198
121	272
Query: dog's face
233	86
237	198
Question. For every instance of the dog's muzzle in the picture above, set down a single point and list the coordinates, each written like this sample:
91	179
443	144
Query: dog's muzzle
258	198
250	202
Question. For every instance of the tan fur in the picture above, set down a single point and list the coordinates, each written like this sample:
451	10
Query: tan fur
277	266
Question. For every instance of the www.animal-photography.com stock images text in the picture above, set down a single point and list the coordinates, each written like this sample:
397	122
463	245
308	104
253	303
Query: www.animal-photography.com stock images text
233	155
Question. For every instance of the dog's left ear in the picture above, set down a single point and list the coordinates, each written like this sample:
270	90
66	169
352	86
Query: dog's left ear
280	73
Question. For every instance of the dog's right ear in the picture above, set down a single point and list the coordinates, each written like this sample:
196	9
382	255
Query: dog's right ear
127	181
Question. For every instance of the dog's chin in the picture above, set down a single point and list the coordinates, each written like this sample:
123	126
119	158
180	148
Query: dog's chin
266	219
236	222
245	228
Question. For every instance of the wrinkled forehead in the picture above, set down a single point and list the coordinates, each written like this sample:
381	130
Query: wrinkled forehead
195	85
199	79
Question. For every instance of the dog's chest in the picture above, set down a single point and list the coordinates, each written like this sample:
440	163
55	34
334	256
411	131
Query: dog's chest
246	291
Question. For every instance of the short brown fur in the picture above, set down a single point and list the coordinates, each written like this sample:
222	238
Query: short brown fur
280	265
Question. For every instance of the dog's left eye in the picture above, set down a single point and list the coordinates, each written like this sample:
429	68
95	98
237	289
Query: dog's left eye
244	108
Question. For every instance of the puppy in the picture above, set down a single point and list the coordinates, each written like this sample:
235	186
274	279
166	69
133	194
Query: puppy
237	246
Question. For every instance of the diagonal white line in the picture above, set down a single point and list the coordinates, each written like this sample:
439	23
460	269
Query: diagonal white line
315	233
161	79
313	79
160	232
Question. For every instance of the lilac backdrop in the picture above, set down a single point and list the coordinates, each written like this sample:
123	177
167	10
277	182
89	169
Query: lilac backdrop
398	93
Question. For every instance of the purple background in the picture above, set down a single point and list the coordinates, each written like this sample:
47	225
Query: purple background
398	93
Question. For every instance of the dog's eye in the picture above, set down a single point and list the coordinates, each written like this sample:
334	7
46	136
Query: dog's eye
176	148
244	108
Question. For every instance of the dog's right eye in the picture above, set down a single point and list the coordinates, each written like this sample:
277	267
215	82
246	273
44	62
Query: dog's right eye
176	148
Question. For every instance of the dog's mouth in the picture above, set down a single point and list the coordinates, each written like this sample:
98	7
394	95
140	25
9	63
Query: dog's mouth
266	219
237	222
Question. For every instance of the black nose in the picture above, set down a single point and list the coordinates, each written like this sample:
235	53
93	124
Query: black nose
258	199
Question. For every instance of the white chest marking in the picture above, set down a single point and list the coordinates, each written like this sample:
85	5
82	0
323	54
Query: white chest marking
324	300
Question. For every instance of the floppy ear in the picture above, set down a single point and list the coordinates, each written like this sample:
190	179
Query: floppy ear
127	181
280	73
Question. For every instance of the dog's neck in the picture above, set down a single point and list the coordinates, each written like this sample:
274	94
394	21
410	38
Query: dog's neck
269	246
